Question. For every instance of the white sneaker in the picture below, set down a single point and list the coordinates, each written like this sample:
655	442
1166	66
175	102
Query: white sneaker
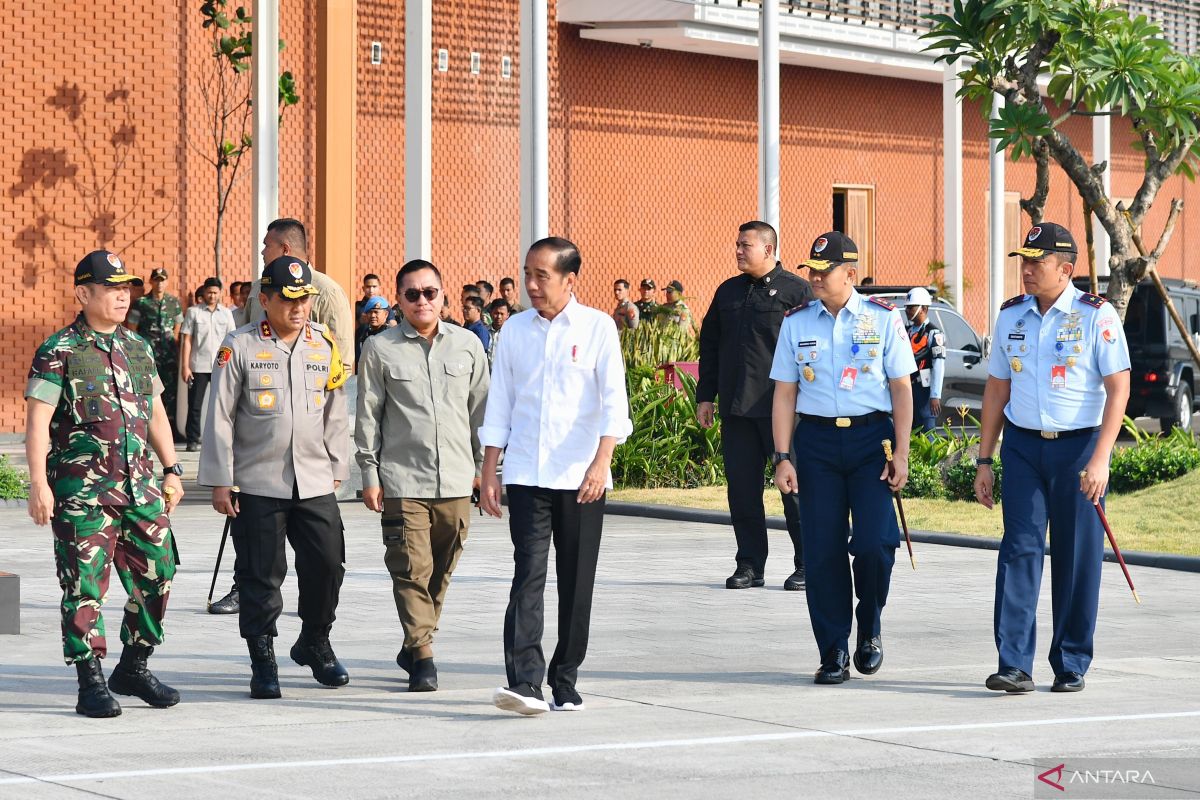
567	700
523	699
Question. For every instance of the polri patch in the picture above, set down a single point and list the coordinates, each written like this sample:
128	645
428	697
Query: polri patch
223	356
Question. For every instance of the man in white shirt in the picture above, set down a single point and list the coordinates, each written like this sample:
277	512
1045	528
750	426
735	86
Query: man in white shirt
205	326
564	364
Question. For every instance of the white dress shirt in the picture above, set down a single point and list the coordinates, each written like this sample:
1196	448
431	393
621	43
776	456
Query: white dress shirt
557	387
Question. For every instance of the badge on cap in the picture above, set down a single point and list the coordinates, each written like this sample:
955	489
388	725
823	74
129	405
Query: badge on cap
115	260
820	244
296	269
1034	233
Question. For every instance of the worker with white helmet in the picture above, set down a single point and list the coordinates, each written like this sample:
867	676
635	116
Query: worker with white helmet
929	350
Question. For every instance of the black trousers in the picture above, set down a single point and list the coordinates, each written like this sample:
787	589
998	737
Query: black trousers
314	527
747	447
196	391
536	516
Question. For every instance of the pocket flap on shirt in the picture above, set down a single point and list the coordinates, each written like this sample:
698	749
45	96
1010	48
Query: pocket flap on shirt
401	372
457	368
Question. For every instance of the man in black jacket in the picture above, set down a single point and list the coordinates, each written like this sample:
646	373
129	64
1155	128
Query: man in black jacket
737	345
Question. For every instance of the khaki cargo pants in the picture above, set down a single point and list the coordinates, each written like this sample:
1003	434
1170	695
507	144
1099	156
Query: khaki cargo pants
422	541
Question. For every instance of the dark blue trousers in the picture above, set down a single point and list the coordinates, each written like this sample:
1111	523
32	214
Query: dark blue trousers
1041	485
922	414
838	470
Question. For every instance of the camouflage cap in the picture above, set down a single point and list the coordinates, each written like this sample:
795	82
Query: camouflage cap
103	267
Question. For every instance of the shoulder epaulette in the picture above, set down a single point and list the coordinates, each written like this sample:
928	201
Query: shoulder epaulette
879	301
1012	301
800	307
1093	300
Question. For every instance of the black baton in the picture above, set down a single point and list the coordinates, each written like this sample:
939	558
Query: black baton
220	552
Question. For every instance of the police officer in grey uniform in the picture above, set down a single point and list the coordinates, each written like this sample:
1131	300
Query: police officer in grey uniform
278	429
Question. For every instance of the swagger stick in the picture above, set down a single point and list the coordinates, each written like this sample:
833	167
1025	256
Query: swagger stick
887	453
220	552
1117	551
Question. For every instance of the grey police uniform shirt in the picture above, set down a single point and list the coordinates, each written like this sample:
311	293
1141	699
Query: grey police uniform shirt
420	405
272	424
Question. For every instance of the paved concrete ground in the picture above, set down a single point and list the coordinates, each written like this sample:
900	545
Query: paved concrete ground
692	690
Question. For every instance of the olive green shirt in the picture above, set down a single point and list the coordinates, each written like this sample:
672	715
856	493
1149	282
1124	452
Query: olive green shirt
420	405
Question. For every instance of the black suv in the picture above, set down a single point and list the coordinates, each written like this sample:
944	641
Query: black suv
1162	382
966	351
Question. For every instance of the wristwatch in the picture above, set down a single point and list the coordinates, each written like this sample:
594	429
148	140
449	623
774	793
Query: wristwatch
779	458
983	462
175	469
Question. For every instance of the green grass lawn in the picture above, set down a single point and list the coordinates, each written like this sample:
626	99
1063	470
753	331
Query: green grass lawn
1163	518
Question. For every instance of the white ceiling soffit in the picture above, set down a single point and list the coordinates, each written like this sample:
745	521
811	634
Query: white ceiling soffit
733	32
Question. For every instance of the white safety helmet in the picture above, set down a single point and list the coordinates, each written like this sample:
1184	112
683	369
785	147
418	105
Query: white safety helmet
918	296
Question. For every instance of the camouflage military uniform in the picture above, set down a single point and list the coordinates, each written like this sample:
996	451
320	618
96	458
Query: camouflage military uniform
107	505
156	320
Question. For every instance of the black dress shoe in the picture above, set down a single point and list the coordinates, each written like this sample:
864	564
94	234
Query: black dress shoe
1068	682
834	669
404	660
868	657
744	577
796	581
94	698
133	677
264	672
423	677
313	650
1011	680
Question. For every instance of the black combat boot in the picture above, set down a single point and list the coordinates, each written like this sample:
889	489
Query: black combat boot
132	677
313	650
229	604
94	699
264	677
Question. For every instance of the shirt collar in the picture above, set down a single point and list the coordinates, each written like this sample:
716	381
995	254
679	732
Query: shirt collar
410	332
1066	300
854	305
568	312
770	277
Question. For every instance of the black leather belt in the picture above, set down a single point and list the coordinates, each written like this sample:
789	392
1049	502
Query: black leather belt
1057	434
846	422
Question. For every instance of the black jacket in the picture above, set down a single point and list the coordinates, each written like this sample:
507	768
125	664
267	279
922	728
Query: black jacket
737	340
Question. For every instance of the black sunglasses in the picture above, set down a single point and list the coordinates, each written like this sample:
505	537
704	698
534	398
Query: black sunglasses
413	295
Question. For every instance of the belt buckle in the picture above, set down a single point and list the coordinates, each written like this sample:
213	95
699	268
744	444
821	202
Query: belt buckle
1049	434
842	422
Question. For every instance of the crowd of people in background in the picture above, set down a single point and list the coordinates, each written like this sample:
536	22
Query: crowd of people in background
673	311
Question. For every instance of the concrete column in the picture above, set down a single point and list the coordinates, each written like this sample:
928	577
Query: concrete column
997	247
418	134
1102	151
535	126
264	155
768	113
952	183
337	110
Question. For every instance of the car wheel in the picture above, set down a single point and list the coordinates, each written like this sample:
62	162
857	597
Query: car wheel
1183	411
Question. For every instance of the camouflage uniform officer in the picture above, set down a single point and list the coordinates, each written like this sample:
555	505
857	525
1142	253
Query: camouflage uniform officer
93	407
278	429
156	317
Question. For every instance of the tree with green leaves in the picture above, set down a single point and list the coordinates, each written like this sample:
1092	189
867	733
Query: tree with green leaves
1098	61
226	88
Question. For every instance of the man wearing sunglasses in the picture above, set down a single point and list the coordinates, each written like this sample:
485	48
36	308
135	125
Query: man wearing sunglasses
422	386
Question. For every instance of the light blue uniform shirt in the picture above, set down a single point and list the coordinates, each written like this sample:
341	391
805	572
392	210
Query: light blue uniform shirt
1056	363
842	365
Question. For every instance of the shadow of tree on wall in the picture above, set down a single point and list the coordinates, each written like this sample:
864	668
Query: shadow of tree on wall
99	180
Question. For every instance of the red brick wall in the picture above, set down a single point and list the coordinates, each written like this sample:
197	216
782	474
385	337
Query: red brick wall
653	160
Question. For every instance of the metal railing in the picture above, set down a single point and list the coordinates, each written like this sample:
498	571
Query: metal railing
1179	19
